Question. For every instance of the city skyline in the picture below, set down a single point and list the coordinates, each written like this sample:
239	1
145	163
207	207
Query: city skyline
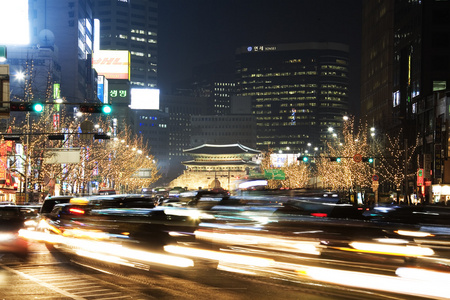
200	32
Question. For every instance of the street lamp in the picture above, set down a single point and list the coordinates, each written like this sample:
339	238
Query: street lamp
20	76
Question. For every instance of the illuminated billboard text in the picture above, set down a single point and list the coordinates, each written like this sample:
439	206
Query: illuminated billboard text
113	64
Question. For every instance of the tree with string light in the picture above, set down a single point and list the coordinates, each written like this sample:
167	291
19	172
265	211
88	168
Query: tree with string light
337	166
391	159
296	175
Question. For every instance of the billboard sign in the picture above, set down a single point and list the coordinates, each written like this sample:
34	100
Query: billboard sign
102	89
113	64
14	22
62	156
142	98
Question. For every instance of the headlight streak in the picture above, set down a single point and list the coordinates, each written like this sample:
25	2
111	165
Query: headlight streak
220	256
79	233
306	247
421	274
4	237
234	270
109	249
392	241
422	287
412	251
103	257
413	233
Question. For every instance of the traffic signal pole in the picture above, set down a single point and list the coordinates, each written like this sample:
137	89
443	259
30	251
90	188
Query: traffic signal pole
377	186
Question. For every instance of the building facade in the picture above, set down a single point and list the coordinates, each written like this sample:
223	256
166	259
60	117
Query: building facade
377	63
68	26
180	109
131	25
225	129
405	80
298	91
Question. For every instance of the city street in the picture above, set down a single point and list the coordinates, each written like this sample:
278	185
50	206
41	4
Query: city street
52	275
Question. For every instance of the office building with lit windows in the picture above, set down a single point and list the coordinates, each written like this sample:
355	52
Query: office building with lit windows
405	80
131	25
298	91
66	28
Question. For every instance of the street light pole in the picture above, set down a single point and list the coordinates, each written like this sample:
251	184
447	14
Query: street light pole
27	156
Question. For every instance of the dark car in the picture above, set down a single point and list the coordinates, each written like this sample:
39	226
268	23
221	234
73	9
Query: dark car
50	202
11	221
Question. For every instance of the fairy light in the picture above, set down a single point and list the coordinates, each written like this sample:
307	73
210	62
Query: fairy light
103	161
297	174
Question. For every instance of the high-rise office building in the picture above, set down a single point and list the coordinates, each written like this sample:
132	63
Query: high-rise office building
131	25
377	62
179	110
298	91
68	26
405	58
405	77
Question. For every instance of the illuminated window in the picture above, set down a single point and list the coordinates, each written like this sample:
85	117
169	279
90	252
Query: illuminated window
396	99
439	85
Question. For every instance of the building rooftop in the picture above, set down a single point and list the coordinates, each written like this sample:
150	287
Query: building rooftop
221	149
218	163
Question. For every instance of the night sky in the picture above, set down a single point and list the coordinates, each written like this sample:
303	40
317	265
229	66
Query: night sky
195	32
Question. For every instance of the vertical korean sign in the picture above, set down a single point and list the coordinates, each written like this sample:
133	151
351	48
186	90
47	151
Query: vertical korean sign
420	177
3	165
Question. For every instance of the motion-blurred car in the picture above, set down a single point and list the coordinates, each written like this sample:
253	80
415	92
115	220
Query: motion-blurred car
11	221
50	202
31	215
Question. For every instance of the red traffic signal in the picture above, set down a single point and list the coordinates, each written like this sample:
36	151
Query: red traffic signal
95	108
26	106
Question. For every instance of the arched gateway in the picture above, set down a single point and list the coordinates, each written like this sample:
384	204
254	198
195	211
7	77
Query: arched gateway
217	166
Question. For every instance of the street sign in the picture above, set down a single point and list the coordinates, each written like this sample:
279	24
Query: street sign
3	52
375	177
357	158
274	174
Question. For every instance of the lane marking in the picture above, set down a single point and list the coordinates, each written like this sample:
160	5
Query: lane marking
53	288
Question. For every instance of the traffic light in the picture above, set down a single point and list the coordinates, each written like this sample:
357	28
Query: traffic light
368	159
96	108
15	138
336	159
26	106
303	158
101	136
56	137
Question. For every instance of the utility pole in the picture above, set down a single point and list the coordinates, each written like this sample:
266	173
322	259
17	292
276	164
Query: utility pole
406	197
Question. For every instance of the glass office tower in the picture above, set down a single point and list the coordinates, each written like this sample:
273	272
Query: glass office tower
298	91
131	25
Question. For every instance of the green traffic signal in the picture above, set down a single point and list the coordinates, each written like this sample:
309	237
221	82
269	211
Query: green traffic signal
106	109
338	159
94	108
26	106
37	107
368	159
303	158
